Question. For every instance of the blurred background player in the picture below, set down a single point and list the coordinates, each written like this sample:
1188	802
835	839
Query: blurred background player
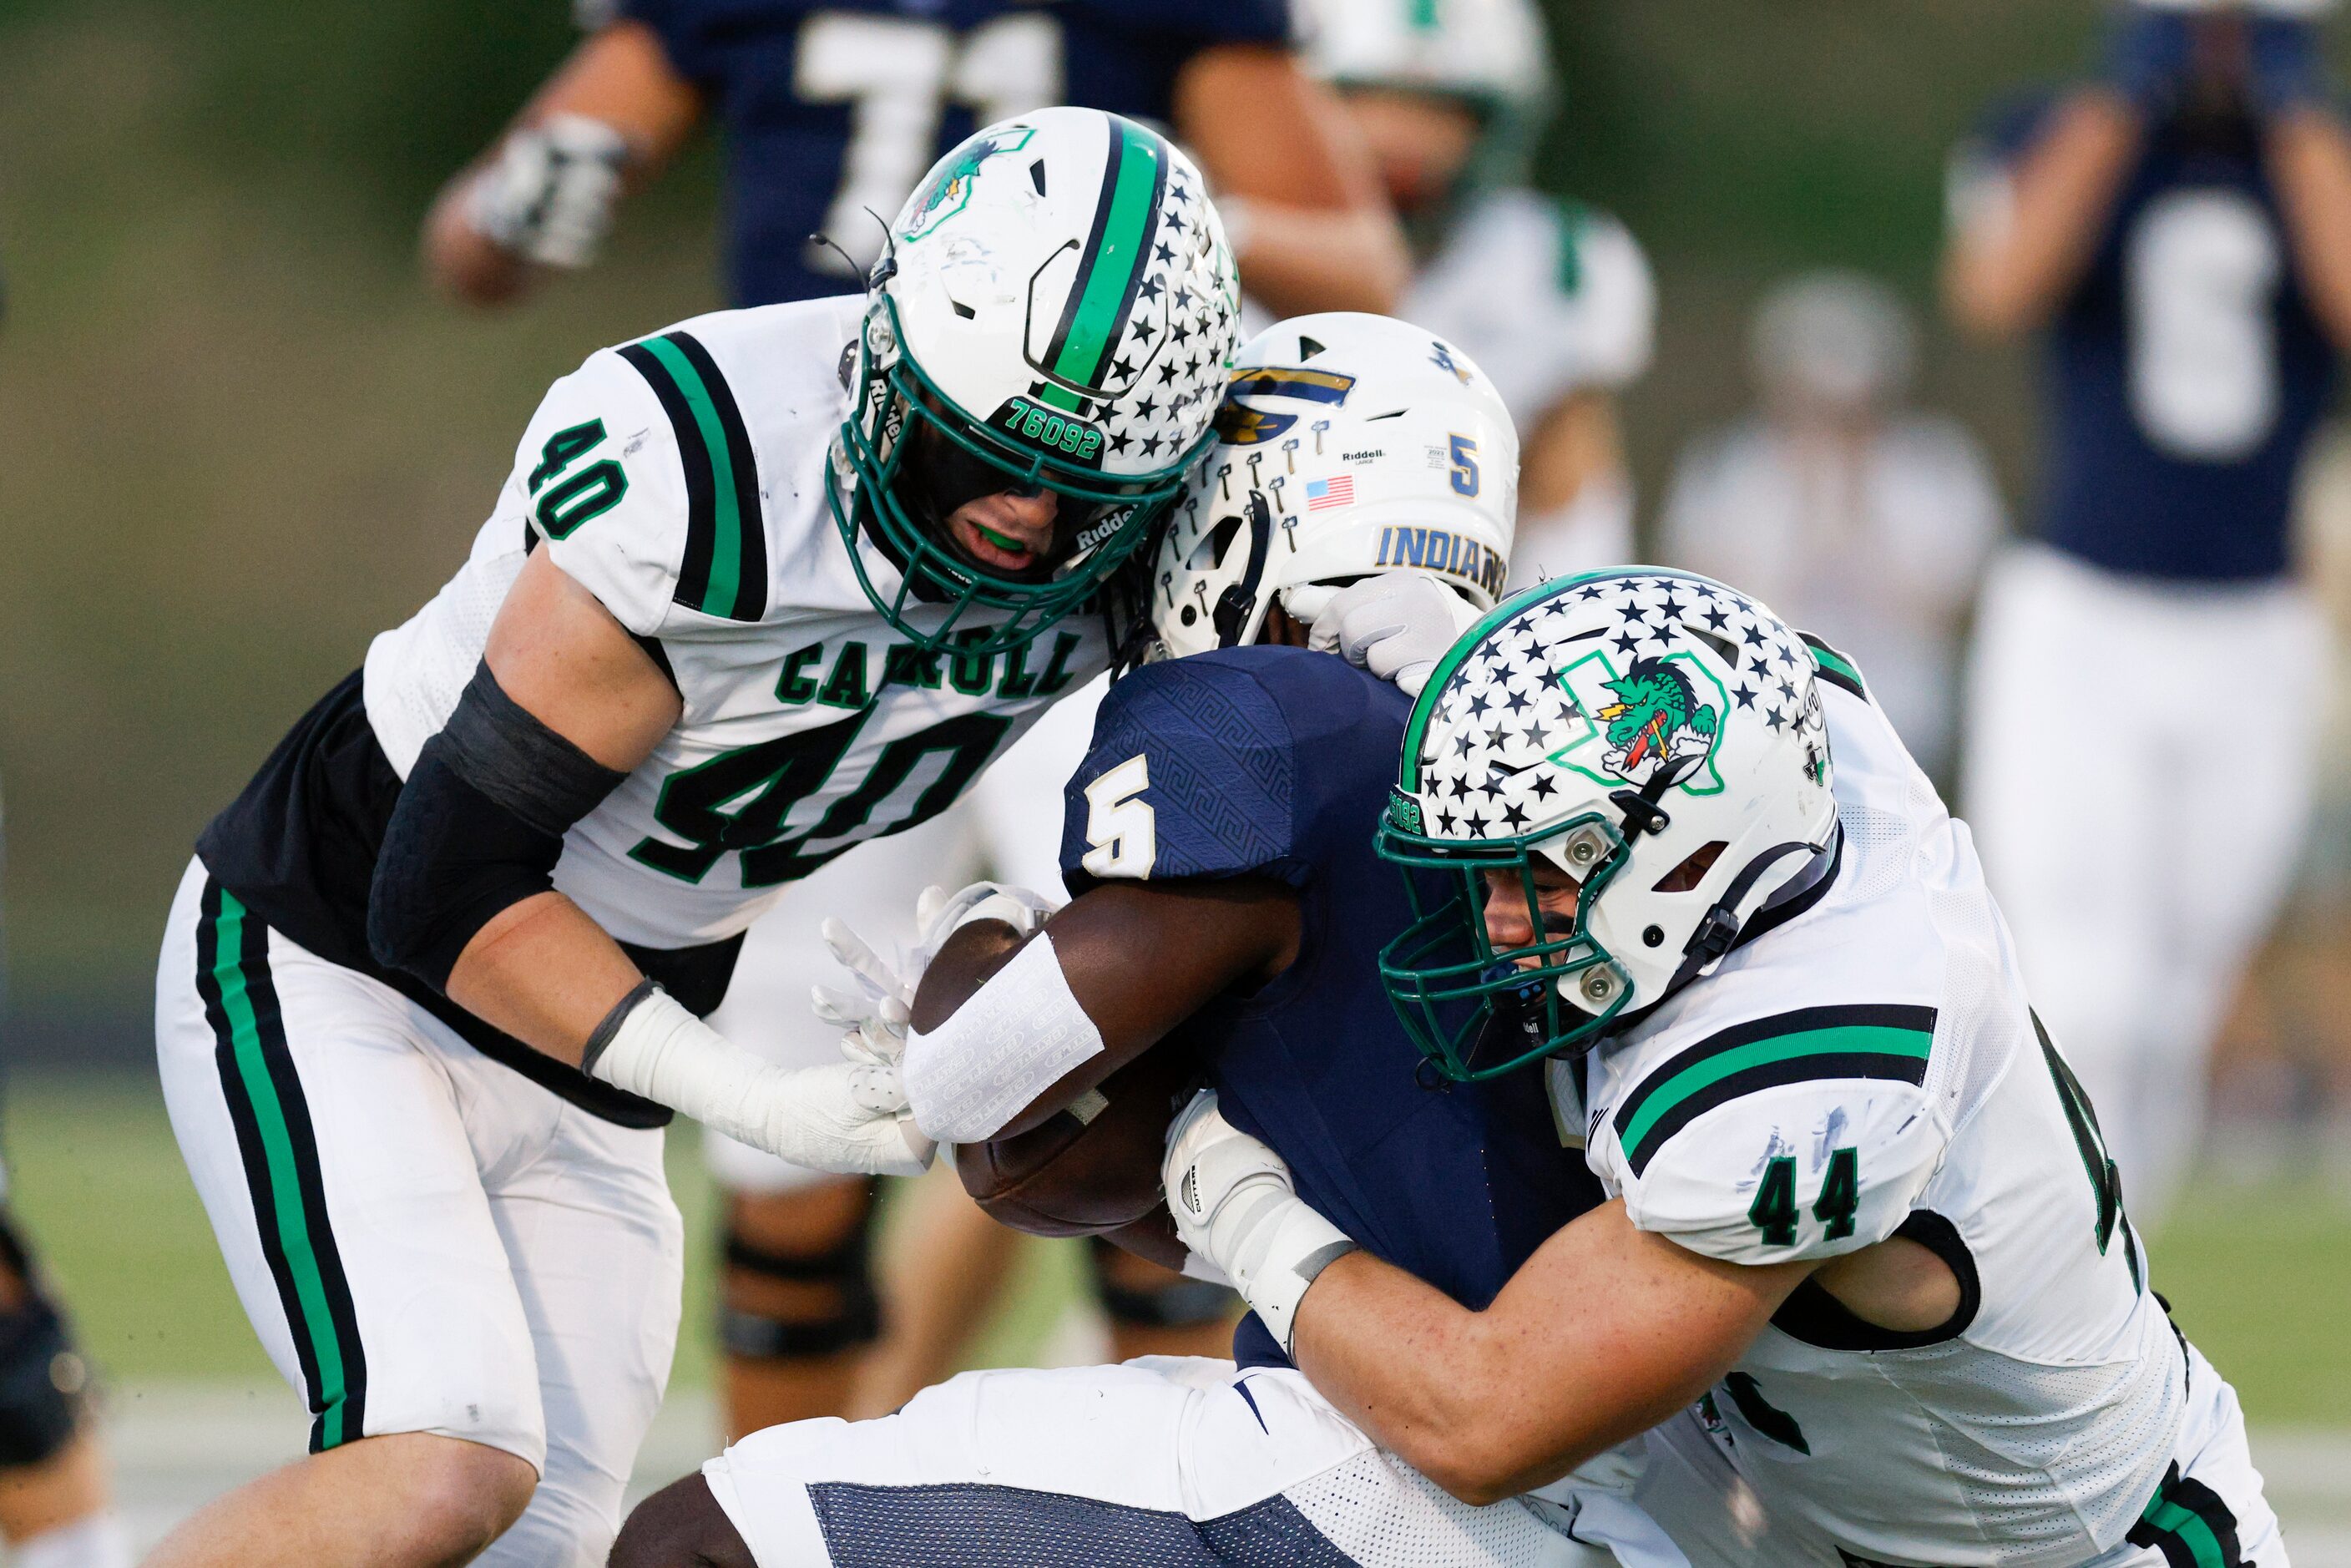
1552	298
831	111
1857	514
56	1501
2179	229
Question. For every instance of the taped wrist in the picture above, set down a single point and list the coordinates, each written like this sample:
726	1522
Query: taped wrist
1012	1039
840	1118
478	827
1286	1245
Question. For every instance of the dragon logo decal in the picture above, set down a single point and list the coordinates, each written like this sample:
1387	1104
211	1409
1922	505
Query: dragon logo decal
1653	716
950	182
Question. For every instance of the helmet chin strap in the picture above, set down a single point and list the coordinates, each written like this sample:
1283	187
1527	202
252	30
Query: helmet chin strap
1233	606
1717	931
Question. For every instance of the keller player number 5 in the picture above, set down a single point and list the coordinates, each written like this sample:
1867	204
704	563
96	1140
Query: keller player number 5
1121	826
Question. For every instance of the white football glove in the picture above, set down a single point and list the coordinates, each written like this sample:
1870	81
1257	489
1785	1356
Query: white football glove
1396	624
875	1014
549	198
1235	1207
850	1118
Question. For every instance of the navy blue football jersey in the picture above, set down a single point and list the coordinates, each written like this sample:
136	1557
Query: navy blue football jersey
830	108
2186	371
1269	761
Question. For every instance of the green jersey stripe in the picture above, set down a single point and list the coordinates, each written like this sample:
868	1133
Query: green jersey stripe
727	537
1811	1044
724	570
281	1163
2190	1524
1834	667
1127	222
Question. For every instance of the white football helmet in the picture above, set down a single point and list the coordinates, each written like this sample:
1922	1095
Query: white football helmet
1347	445
1652	734
1055	312
1493	54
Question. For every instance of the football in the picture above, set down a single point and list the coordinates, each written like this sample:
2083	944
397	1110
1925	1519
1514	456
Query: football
1091	1170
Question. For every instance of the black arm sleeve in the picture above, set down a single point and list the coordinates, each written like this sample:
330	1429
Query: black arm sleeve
479	826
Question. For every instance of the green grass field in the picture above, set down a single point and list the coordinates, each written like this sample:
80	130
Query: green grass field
2258	1276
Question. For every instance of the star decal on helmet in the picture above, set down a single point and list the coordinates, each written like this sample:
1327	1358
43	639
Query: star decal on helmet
1616	704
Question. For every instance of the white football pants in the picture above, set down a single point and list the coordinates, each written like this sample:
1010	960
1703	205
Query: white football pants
1009	827
1694	1488
2139	770
1165	1462
425	1240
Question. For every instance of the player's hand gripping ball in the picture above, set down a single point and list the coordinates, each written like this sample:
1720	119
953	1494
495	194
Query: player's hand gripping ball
1093	1168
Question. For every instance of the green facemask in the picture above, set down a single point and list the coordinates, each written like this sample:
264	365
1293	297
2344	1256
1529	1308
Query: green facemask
1477	1010
1101	519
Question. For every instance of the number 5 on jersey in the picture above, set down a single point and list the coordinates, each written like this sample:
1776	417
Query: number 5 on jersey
1122	828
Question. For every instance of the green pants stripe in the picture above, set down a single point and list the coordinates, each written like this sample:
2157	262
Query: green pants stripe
280	1153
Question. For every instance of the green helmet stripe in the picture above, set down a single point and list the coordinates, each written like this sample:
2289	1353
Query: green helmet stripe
1126	221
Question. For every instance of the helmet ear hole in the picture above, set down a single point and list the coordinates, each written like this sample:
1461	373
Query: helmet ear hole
1209	553
1686	876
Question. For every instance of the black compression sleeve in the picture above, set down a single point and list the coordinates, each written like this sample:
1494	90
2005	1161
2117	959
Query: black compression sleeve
479	827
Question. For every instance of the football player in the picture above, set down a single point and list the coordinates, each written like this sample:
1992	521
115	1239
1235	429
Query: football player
1863	1277
2178	230
1220	821
1865	1268
1552	298
831	109
761	588
56	1504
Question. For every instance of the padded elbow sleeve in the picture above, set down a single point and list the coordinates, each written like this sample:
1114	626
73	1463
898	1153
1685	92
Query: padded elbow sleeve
479	827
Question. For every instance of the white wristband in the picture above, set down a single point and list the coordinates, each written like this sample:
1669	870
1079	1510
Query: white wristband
1012	1039
849	1118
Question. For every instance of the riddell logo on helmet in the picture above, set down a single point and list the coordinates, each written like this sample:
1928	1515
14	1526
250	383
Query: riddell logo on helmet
1102	530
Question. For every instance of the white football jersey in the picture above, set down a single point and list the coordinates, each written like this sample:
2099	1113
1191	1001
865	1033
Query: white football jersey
1548	296
681	479
1868	1069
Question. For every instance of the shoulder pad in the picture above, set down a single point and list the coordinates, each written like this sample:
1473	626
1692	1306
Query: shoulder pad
1191	773
597	482
723	571
1806	1135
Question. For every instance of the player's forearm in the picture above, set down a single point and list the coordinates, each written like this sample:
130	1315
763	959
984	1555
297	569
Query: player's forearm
1204	937
1295	261
621	80
2309	156
545	973
1493	1402
1435	1382
2009	269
